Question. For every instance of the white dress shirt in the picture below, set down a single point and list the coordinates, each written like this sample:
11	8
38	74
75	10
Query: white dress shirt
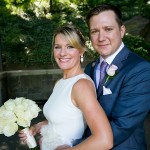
109	61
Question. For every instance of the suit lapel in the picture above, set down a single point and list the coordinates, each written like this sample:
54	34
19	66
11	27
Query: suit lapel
121	57
92	72
119	60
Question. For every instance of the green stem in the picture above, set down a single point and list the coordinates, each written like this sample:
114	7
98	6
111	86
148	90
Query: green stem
107	79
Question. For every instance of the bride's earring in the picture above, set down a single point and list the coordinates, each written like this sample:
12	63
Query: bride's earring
81	59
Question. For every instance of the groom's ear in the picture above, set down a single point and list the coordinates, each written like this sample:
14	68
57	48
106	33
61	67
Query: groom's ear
122	30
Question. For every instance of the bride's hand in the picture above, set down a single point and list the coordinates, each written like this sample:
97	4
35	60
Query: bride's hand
36	128
33	130
63	147
23	136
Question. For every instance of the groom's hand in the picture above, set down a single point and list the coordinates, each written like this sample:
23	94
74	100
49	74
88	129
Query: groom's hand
62	147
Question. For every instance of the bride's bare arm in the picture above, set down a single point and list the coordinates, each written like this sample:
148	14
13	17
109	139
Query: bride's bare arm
84	97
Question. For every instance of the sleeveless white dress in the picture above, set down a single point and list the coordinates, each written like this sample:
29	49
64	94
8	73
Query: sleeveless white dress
65	121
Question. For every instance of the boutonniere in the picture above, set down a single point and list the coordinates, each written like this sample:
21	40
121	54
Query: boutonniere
111	72
93	64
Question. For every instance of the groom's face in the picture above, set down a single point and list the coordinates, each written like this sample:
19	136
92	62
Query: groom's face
105	33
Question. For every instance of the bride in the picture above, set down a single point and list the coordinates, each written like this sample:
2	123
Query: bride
73	105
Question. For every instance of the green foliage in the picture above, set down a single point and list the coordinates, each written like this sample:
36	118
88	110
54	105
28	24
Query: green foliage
28	42
138	45
27	27
129	8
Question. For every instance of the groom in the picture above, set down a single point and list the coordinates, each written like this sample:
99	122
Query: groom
125	97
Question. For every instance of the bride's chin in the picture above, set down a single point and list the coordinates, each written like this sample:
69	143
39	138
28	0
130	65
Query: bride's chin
62	67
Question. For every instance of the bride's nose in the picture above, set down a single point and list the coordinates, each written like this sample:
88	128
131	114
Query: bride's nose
63	51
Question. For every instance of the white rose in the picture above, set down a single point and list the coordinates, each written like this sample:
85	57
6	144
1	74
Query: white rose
28	115
26	104
3	123
18	101
2	111
23	122
34	110
2	108
10	129
19	110
19	113
9	105
31	102
112	69
9	115
5	118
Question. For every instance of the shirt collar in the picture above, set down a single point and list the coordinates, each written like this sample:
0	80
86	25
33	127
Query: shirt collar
111	57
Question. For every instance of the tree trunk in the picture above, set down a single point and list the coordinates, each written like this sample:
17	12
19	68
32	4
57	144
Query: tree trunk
51	6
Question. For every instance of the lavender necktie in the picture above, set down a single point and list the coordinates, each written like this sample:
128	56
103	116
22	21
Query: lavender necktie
103	67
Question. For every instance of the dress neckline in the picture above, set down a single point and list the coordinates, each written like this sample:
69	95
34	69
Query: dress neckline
72	77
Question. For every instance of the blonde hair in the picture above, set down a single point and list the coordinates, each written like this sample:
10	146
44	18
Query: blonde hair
72	35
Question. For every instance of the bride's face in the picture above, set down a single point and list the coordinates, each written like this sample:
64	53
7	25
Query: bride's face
66	56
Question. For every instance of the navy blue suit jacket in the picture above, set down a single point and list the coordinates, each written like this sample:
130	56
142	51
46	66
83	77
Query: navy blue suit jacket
129	103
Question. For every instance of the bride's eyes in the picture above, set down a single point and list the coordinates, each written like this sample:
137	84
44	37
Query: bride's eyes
57	47
69	47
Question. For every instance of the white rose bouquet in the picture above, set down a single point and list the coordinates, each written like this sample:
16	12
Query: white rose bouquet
18	113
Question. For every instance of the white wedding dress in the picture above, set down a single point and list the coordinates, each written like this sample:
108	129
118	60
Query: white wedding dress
65	121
